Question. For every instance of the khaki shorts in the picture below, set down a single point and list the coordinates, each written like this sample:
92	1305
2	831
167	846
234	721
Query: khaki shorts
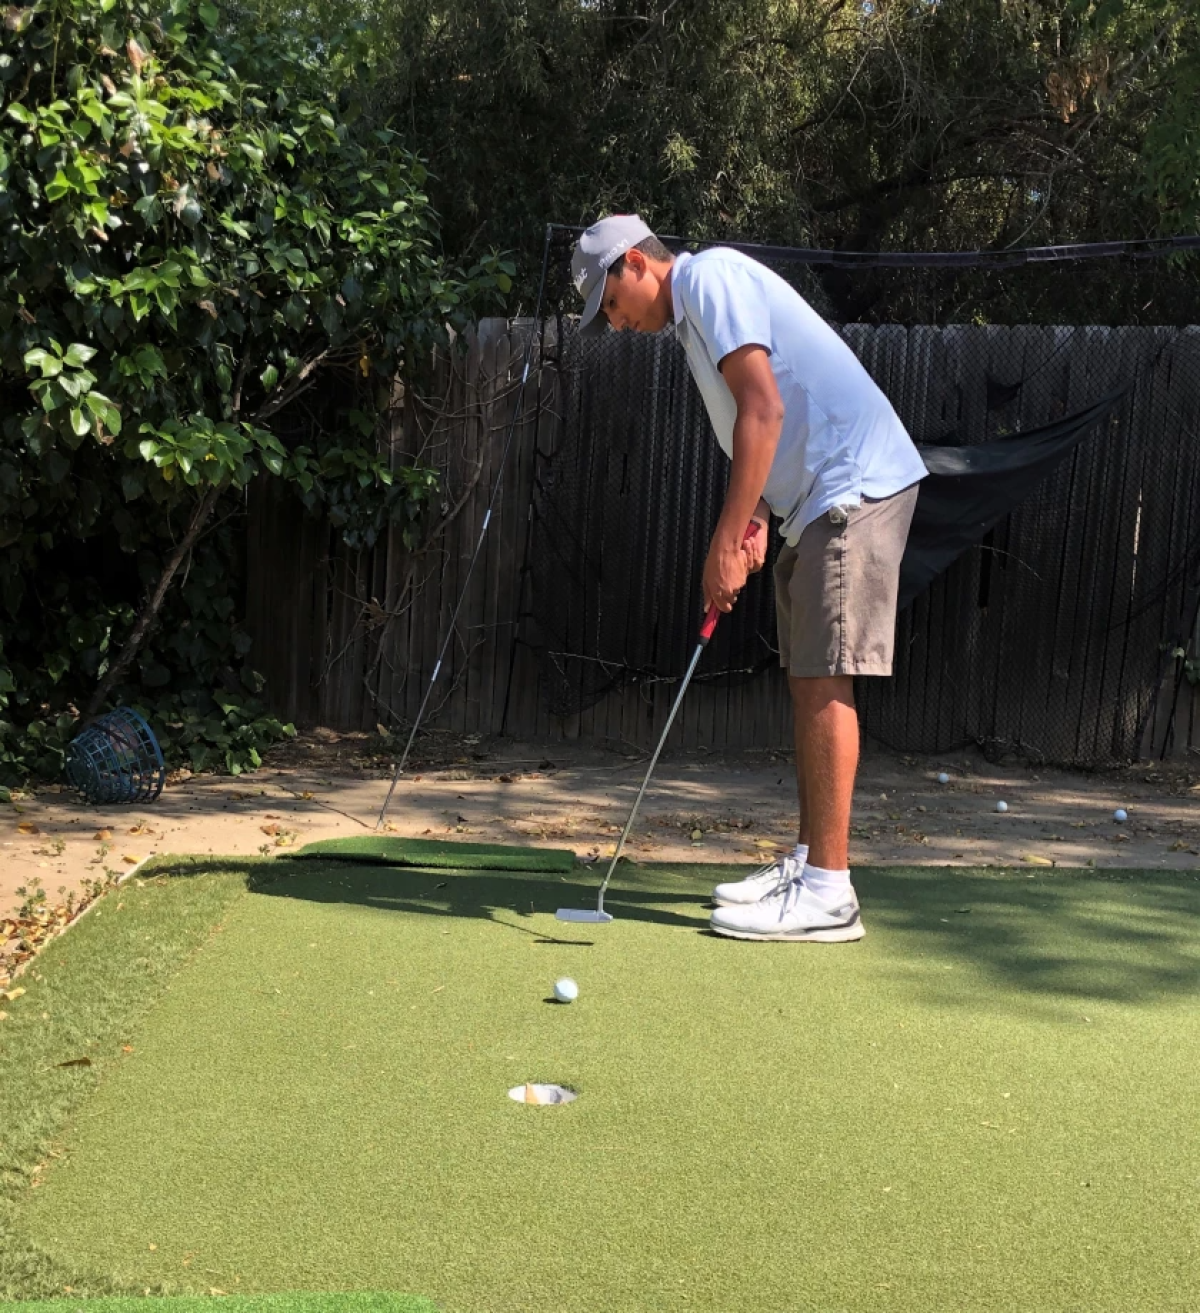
836	590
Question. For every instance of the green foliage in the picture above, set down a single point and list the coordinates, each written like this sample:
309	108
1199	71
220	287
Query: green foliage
197	228
936	125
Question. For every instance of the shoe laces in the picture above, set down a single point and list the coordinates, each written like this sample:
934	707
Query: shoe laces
790	871
778	870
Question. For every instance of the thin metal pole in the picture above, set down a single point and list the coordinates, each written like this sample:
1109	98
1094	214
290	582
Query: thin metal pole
512	428
612	866
707	630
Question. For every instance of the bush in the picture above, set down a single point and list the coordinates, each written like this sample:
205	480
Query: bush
196	228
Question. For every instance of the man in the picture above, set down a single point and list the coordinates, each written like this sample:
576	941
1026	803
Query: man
814	442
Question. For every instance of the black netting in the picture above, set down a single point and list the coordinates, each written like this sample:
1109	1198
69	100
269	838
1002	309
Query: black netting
1046	630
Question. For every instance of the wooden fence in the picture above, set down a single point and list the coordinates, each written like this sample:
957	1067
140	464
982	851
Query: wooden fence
350	639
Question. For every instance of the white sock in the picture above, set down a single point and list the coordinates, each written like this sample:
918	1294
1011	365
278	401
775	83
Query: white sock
829	886
800	854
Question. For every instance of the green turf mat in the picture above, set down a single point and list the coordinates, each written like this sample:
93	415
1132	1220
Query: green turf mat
442	854
981	1107
351	1302
86	995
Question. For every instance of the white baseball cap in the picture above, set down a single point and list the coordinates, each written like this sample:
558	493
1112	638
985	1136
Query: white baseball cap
599	247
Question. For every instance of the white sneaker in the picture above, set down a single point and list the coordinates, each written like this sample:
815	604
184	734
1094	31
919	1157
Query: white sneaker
793	914
744	893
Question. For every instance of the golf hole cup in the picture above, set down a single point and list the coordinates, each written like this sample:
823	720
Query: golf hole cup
542	1094
566	990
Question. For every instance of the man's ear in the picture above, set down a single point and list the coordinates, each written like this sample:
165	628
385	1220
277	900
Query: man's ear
636	261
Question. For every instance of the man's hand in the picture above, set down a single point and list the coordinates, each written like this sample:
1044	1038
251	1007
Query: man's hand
755	547
725	574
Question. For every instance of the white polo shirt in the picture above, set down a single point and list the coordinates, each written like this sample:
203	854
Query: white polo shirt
841	440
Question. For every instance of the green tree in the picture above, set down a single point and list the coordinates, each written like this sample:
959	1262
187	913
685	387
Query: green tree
848	124
197	229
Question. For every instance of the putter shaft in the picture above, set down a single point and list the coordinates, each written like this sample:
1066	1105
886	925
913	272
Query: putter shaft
706	632
612	866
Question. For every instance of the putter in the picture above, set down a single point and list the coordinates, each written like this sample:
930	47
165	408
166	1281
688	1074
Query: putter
600	916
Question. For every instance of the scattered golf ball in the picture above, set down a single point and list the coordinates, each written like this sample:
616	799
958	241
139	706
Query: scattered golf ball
1002	806
943	778
1120	816
566	990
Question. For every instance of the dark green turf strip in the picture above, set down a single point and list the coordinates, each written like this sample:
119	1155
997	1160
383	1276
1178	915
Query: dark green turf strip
299	1302
441	854
86	996
985	1105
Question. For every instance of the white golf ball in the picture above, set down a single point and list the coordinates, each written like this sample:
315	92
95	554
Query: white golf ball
566	990
1120	816
1002	806
943	778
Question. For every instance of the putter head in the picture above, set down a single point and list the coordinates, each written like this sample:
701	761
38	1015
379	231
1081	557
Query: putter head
583	914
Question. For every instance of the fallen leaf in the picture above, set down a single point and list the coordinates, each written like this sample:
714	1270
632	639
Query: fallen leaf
102	835
126	1048
75	1062
765	843
14	994
269	829
28	827
131	859
697	835
1034	860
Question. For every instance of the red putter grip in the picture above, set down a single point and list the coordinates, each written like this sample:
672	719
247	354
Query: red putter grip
710	620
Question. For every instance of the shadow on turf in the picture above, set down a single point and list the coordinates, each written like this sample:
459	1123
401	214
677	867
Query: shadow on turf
1066	934
487	894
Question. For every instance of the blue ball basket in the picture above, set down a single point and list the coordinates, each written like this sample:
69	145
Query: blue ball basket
116	759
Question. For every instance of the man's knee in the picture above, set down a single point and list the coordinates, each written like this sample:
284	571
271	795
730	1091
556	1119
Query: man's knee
811	694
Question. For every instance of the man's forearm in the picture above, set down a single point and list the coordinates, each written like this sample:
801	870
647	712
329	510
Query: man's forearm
755	437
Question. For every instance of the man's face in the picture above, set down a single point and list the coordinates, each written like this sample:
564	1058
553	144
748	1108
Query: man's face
632	298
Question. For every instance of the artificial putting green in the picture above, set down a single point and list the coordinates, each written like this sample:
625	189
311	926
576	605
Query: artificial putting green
984	1105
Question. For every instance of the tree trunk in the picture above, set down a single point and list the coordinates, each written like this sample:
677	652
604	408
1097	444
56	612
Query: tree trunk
150	610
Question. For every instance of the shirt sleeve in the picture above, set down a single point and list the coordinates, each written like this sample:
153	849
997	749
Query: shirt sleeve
728	307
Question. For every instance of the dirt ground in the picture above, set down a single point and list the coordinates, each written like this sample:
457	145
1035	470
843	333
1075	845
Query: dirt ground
710	807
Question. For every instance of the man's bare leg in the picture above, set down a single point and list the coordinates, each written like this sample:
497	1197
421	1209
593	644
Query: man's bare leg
826	732
804	831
